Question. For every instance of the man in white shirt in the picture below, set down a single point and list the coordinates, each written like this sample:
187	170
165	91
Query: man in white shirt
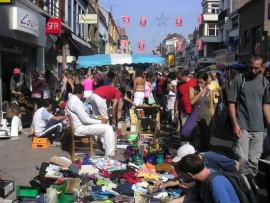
46	124
85	125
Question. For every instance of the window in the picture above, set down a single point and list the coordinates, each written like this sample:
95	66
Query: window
75	17
215	9
79	25
69	13
213	30
210	49
234	22
83	26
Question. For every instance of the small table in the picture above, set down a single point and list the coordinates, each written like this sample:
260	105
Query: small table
155	117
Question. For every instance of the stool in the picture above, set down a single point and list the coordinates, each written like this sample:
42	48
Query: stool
43	143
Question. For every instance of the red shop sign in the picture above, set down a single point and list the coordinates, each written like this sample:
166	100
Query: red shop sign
53	26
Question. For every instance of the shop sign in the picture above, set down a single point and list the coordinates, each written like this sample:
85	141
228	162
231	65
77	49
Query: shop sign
4	2
53	26
25	21
193	57
88	18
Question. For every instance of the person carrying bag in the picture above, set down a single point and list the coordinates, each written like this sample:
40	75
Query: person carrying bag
197	128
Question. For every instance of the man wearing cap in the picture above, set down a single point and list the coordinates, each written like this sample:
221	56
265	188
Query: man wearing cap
210	159
17	80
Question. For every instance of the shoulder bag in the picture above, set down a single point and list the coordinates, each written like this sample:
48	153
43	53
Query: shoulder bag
190	124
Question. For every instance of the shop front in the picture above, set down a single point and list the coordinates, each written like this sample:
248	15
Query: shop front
22	42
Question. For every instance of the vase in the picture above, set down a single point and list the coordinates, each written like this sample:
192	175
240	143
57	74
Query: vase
150	159
168	159
159	159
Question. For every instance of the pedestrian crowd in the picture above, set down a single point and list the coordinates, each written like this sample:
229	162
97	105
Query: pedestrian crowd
245	97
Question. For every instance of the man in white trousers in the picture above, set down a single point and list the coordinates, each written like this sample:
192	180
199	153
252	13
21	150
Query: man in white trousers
85	125
101	98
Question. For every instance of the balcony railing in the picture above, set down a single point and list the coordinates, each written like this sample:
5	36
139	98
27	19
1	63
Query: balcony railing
50	8
222	15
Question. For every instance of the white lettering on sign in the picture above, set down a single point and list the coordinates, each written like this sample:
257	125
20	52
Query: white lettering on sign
25	21
53	26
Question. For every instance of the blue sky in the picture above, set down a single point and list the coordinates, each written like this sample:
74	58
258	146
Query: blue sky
152	34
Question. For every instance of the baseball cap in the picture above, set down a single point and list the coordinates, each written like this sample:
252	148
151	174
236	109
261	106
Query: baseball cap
183	151
16	70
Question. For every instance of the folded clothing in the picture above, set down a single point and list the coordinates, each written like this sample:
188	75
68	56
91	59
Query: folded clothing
147	173
164	167
150	166
118	174
131	177
124	189
138	188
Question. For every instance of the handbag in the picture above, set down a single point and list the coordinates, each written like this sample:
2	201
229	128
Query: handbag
151	99
191	122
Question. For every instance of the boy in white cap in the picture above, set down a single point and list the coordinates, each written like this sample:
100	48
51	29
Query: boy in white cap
210	159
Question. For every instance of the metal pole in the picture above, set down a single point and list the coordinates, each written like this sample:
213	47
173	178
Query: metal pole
64	51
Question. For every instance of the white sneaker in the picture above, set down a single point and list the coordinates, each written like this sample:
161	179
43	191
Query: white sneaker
57	144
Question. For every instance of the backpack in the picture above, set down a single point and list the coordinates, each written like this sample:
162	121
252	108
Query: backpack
246	191
100	82
243	80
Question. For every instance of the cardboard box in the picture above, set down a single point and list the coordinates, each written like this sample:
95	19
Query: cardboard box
129	128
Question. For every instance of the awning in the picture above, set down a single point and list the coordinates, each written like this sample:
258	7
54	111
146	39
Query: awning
117	59
83	46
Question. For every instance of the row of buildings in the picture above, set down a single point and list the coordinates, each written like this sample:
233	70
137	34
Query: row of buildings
51	34
232	30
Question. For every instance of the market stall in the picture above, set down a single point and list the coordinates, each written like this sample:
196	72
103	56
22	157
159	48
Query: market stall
117	59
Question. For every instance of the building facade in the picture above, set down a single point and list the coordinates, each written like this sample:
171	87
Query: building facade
21	43
208	33
254	32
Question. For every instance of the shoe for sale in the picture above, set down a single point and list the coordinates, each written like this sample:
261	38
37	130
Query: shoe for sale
57	144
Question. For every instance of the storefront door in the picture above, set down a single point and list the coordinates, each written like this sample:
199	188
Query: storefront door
9	62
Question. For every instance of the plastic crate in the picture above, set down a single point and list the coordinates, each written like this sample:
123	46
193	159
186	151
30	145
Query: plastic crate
42	143
38	140
25	191
66	199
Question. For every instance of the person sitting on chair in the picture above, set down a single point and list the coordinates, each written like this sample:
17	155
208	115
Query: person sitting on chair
45	123
87	126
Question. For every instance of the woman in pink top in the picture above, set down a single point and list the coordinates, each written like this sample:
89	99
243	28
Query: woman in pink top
37	85
88	86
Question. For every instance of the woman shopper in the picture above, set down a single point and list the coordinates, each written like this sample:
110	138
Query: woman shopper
88	86
63	92
171	78
202	132
37	87
70	84
52	81
139	89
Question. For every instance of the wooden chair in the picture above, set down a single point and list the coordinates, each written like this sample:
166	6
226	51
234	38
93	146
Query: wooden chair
79	138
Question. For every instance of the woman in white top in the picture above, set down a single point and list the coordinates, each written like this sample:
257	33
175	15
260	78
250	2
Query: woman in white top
171	96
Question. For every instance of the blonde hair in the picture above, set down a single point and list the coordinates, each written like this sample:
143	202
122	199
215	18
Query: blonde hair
89	75
66	72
